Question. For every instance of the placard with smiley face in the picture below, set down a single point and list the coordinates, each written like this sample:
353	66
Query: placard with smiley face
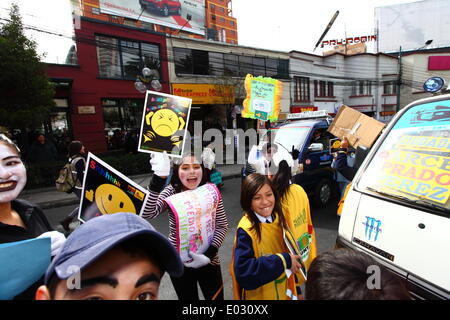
164	123
107	191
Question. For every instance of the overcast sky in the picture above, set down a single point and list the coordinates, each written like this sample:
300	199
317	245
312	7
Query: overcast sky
287	25
280	25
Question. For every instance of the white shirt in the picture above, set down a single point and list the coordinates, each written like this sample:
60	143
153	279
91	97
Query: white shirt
264	219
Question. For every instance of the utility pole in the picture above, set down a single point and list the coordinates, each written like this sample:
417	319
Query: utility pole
399	79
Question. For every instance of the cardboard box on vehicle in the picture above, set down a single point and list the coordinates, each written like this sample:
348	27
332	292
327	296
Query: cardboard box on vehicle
356	126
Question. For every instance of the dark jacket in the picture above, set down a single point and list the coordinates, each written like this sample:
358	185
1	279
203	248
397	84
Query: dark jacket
42	152
343	168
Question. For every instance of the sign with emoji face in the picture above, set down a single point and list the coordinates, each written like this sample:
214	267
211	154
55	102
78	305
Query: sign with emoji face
107	191
164	122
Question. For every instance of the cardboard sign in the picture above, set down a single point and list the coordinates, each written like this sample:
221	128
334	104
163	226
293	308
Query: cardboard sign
195	214
356	126
22	264
164	122
263	98
107	191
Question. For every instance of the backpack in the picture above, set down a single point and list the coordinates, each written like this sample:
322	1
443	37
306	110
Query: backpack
67	178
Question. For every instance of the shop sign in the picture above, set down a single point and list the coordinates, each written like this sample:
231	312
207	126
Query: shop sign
348	41
86	109
205	93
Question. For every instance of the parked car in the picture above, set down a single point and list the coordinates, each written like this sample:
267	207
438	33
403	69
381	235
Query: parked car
164	7
398	207
298	131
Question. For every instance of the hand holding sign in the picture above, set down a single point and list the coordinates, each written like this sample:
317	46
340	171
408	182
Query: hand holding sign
160	163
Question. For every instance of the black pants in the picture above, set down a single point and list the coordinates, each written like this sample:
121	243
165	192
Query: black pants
208	277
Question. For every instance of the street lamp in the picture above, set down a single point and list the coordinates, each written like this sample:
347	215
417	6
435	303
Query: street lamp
399	79
148	79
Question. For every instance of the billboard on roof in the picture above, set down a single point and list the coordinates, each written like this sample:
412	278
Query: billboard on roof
186	14
411	25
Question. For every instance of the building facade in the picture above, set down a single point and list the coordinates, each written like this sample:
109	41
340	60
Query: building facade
98	92
220	24
419	65
213	73
365	82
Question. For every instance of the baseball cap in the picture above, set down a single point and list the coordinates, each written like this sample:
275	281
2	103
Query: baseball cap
92	239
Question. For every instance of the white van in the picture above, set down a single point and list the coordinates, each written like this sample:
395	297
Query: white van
398	207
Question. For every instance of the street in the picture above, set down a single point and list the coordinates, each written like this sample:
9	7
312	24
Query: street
325	222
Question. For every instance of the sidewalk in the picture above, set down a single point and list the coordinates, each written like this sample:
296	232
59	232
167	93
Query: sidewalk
51	198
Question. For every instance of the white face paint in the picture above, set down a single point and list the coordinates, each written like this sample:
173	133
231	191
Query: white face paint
13	175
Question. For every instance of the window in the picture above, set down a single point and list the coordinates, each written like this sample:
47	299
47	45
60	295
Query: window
271	67
330	89
412	136
200	61
108	57
189	61
124	59
231	67
245	65
130	59
389	87
363	87
323	88
121	115
183	61
259	67
216	63
302	89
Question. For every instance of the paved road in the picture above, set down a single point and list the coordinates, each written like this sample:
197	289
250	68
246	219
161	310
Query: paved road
325	223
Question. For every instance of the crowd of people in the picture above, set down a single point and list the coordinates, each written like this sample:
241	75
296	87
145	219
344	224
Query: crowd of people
121	256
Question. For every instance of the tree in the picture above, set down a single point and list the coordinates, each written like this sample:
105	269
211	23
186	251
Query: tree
25	90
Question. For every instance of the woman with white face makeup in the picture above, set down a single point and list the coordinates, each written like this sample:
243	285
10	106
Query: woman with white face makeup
19	219
204	269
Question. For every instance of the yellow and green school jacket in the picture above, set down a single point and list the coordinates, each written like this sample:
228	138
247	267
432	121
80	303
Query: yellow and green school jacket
258	265
295	207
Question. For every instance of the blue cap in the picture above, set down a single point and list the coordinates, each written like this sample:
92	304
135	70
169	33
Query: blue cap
93	238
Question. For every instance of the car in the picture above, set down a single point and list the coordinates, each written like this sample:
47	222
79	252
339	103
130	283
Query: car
164	7
317	178
397	208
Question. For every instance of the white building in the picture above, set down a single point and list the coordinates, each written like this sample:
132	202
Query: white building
365	82
417	67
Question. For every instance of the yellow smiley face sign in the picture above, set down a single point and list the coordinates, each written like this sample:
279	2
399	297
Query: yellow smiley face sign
165	122
111	199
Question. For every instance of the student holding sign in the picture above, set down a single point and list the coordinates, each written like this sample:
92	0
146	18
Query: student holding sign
262	265
19	219
197	222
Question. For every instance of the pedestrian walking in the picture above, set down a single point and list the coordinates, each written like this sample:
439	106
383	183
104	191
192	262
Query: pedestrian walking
19	219
42	150
77	160
261	263
117	257
189	174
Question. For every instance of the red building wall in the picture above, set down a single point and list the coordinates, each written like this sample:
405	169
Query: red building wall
89	90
